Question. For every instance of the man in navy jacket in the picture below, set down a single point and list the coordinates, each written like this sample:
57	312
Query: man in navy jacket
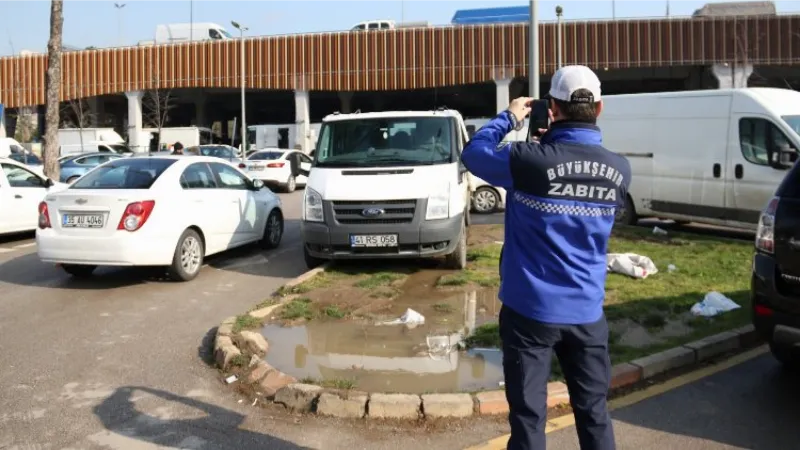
563	192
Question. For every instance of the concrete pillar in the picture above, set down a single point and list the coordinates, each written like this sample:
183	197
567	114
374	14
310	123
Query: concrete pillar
95	107
502	85
732	76
346	99
135	121
2	121
200	112
302	121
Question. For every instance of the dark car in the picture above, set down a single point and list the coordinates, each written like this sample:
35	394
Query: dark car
775	284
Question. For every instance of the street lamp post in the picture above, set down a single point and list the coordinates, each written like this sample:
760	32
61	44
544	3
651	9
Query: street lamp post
119	7
533	50
559	37
242	29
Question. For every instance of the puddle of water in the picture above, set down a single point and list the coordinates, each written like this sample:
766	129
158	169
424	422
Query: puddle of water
396	358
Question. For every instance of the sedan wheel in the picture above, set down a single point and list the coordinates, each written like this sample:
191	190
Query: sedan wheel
485	200
273	232
291	185
188	257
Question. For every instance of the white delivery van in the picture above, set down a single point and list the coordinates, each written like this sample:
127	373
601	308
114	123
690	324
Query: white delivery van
188	136
286	136
9	146
77	136
93	147
185	32
713	156
387	185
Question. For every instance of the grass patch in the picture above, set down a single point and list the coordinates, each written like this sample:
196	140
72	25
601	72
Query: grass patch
299	308
333	312
245	322
703	264
379	279
335	383
475	276
319	281
444	308
268	302
240	361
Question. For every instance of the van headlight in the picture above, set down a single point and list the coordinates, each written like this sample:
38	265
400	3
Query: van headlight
312	206
438	204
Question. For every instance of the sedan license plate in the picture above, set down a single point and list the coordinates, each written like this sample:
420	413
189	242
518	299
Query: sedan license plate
82	221
373	240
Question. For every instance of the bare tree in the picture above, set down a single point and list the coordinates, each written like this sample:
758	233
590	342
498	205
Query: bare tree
77	114
157	104
53	89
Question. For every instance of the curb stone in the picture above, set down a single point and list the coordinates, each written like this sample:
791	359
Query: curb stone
298	397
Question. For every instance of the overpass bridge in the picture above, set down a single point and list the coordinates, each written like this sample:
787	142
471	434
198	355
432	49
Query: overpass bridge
390	60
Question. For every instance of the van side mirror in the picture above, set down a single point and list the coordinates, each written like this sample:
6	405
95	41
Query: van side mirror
782	158
295	164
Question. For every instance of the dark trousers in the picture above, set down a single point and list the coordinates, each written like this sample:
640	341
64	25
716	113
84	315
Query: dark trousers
582	351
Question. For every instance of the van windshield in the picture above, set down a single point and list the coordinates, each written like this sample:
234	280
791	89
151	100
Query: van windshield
379	142
794	123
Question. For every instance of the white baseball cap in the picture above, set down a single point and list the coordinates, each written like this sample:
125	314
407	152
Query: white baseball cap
569	79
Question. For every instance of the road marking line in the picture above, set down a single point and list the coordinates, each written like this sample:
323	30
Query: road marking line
559	423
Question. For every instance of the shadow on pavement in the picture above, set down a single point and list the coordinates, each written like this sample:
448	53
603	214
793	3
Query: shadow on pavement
215	428
205	351
752	405
13	238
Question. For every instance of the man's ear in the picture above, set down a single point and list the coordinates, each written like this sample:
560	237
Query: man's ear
599	107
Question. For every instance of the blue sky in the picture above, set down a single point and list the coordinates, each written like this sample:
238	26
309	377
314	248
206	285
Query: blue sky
24	24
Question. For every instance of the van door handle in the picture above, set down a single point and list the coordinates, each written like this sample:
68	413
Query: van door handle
717	170
17	196
738	170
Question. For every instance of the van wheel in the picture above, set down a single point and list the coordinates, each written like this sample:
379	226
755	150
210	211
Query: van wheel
290	185
312	261
626	215
786	356
79	270
188	258
458	259
273	230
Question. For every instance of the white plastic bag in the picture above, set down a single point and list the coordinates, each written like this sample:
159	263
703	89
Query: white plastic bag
714	303
410	317
631	264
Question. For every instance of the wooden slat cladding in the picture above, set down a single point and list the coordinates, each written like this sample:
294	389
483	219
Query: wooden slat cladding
405	58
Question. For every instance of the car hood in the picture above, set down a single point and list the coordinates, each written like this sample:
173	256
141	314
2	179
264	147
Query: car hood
379	183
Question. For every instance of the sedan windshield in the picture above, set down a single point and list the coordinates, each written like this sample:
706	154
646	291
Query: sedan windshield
262	156
376	142
125	173
26	158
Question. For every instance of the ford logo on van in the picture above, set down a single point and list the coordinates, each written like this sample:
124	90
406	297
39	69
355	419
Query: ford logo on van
372	212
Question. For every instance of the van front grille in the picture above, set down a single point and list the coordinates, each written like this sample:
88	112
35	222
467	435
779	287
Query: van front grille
390	211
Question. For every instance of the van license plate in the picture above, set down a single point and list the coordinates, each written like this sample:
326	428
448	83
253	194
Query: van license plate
373	240
82	221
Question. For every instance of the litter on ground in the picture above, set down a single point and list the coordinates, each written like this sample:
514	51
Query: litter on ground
631	264
410	317
713	304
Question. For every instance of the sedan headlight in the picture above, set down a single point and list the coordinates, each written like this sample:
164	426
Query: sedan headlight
438	205
312	206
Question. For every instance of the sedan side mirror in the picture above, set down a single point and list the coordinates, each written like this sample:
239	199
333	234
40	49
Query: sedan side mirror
258	184
48	183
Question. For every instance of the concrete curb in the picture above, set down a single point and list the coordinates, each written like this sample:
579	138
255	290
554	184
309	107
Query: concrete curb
231	348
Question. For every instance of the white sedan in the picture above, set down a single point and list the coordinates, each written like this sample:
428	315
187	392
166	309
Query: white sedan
21	190
168	211
486	199
274	167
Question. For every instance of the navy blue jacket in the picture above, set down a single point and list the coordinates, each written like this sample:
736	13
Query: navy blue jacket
562	195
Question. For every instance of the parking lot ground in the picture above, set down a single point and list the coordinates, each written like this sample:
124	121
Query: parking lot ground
746	402
120	361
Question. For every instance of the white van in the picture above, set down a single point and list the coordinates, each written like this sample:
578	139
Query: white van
387	185
93	147
185	32
712	156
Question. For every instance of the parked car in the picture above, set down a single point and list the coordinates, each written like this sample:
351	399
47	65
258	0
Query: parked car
220	151
168	211
486	199
775	282
21	190
75	166
273	166
30	160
